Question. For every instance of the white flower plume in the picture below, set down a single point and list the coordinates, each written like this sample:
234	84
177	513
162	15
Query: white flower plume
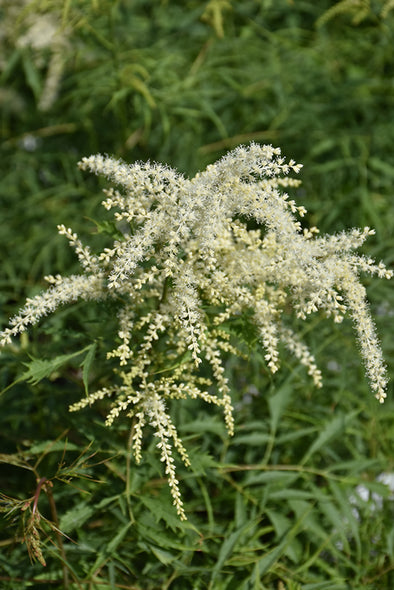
198	254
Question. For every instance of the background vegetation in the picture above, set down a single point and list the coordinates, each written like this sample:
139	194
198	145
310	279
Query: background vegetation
182	82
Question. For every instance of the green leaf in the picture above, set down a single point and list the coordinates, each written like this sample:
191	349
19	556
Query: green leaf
209	424
107	227
75	517
268	560
277	403
282	524
383	167
240	516
86	364
106	501
180	360
244	328
331	430
9	66
292	493
281	478
336	518
279	521
159	508
253	439
110	549
14	460
294	435
306	512
39	369
227	548
51	446
302	510
114	544
325	586
149	532
350	522
164	557
32	75
390	543
353	467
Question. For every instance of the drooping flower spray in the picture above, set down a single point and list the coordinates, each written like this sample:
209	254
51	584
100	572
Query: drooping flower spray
187	264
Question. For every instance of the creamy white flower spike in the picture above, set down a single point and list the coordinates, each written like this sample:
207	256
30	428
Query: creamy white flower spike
187	266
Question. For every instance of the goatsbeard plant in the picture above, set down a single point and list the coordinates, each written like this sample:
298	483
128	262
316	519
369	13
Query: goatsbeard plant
186	265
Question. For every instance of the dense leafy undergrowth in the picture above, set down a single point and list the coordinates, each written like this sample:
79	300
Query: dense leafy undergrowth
296	500
292	499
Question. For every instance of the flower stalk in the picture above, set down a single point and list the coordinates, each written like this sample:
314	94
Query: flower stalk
188	265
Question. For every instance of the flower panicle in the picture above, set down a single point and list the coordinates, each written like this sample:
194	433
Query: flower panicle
188	269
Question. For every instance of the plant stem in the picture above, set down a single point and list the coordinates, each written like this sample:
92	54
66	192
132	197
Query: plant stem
128	457
37	494
60	545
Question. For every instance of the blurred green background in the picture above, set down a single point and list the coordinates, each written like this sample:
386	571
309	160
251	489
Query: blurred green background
182	82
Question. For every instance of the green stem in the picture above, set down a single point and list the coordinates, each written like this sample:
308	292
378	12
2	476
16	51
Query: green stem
59	537
128	459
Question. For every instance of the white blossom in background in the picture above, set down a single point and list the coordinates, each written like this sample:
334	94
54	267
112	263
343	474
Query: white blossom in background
27	26
188	264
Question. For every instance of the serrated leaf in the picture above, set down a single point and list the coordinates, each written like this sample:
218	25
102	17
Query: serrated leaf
307	515
151	533
331	430
279	521
268	560
227	548
115	542
106	501
244	329
201	461
281	525
39	369
160	511
108	228
75	517
109	549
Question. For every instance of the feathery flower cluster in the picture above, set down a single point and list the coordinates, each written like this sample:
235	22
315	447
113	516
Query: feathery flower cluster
188	265
27	26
